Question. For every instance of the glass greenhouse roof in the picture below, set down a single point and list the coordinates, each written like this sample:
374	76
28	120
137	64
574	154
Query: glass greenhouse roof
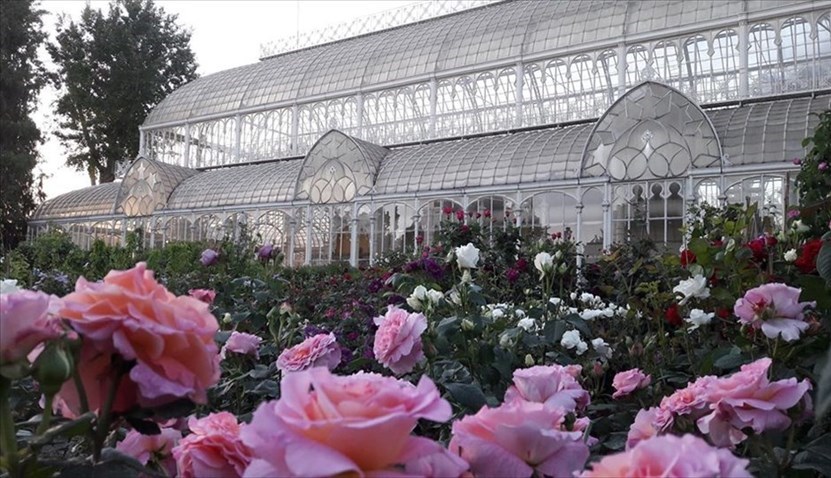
750	135
494	34
96	200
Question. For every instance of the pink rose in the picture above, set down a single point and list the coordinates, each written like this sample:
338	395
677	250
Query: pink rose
552	385
325	425
518	439
321	350
693	399
628	381
205	295
242	343
648	423
152	448
670	455
26	320
775	308
398	339
433	461
747	399
168	339
213	448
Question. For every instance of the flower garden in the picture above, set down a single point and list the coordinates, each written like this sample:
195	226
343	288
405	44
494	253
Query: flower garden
508	355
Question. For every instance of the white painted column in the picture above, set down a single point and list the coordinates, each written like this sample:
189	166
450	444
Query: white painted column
186	150
578	233
744	46
359	110
434	93
607	216
295	128
308	259
292	225
142	146
621	69
518	211
237	138
372	237
520	85
353	236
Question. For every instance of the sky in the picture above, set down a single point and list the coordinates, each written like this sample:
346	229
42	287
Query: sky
225	34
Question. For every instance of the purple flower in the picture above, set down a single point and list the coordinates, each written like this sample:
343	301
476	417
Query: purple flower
793	214
209	257
822	166
796	161
264	252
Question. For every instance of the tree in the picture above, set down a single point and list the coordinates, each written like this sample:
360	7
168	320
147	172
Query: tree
21	78
112	68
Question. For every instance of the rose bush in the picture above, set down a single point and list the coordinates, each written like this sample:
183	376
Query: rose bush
502	361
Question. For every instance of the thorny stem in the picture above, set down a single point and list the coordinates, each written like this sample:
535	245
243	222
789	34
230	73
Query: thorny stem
8	439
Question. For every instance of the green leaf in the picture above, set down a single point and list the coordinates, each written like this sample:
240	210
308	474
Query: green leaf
268	388
815	456
732	359
824	389
824	258
467	395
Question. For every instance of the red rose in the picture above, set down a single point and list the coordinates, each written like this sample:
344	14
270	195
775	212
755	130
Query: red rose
722	313
464	228
672	316
486	213
521	264
460	215
687	257
447	210
758	247
807	261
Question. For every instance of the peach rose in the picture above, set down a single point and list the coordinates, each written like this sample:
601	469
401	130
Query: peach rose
168	341
627	382
321	350
152	448
398	339
213	448
518	439
670	455
326	425
205	295
26	321
242	343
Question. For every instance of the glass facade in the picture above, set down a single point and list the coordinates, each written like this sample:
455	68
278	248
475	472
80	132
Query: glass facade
606	118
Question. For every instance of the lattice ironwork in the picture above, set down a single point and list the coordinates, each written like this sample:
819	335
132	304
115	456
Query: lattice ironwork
652	132
414	12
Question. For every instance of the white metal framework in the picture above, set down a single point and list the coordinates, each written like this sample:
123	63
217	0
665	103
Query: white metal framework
629	111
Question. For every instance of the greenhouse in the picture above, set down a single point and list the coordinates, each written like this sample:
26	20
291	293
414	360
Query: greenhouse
604	117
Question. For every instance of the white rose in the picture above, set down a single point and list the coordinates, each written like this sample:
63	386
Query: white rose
698	318
527	324
544	263
434	296
420	292
8	286
555	301
497	313
695	286
581	348
800	226
519	313
570	339
467	256
590	314
602	348
414	303
791	256
454	297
